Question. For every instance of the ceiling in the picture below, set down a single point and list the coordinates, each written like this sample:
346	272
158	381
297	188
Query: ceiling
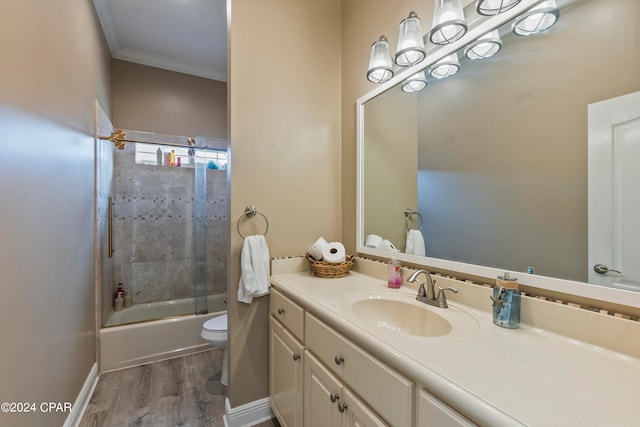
187	36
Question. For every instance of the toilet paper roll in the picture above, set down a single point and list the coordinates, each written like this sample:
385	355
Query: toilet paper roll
334	253
386	245
372	241
317	248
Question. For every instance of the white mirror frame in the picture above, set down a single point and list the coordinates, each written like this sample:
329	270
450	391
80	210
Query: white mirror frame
581	289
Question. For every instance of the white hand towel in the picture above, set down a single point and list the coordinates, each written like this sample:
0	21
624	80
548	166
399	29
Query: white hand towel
254	265
415	243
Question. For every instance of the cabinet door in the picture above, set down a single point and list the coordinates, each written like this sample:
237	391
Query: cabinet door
356	414
286	375
432	412
322	394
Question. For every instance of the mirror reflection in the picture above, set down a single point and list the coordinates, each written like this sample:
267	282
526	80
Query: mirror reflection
495	159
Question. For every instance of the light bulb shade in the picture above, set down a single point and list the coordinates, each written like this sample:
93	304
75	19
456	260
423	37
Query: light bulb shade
447	66
410	42
485	47
415	83
494	7
537	19
448	22
380	65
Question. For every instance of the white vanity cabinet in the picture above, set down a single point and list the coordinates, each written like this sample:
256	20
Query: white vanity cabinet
328	403
320	378
286	360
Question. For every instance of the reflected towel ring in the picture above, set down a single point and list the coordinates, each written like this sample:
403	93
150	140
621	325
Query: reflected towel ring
250	212
408	213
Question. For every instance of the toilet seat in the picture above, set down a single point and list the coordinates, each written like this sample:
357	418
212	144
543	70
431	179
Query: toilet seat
214	330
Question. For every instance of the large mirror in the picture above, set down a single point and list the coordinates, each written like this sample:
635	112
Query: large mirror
496	163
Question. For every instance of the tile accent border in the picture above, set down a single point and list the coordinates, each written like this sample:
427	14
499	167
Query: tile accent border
524	293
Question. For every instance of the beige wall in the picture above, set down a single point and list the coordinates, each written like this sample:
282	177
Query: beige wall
284	77
54	63
161	101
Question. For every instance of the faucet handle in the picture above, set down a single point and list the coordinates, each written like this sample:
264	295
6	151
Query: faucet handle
442	298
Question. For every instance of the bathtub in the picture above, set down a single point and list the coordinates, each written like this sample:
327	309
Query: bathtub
138	343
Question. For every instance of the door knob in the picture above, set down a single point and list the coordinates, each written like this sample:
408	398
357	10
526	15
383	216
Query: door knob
603	269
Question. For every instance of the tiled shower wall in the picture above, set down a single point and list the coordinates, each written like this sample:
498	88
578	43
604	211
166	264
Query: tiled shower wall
153	229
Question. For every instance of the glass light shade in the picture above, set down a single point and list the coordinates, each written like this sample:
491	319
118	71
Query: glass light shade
448	22
415	83
447	66
494	7
485	47
537	19
410	42
380	65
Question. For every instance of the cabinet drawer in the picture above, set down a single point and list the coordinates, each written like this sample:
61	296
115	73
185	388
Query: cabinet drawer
386	391
290	314
432	412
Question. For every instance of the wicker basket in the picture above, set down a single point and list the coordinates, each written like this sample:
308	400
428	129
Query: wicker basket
327	269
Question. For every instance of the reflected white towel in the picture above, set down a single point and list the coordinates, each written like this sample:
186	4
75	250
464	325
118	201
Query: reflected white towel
415	243
254	266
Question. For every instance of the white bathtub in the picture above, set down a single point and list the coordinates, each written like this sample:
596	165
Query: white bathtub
162	309
135	344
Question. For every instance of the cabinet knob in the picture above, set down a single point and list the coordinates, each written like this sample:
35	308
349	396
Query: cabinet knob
281	311
334	397
339	360
296	356
342	407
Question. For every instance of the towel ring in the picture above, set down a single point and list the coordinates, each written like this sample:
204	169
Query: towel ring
408	213
250	212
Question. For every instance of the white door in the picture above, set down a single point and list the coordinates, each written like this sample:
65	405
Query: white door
614	191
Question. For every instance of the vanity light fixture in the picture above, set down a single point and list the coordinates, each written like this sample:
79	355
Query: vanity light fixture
448	22
410	42
447	66
415	83
537	19
484	47
494	7
380	65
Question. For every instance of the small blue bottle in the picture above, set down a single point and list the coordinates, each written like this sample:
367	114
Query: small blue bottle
506	302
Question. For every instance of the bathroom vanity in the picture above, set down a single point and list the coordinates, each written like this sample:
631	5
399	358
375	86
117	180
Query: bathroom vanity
350	351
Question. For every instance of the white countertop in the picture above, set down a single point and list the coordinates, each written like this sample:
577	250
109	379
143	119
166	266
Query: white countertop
495	376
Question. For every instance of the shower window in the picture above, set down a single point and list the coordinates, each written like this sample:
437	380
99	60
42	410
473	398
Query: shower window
147	154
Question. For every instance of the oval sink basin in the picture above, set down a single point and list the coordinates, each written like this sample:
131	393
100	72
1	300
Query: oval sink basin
401	317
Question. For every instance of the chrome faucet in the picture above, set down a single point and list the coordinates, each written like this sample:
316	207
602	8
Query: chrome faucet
428	295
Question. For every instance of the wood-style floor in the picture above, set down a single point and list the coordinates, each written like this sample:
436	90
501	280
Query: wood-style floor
184	391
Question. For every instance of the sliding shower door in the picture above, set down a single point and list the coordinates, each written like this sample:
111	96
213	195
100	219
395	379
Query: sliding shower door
166	196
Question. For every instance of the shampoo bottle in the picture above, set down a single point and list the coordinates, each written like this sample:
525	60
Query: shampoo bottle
394	278
118	303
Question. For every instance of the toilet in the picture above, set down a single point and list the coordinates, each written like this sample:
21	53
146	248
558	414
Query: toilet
214	331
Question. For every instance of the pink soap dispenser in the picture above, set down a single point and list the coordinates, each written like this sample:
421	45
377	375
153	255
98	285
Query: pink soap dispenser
394	278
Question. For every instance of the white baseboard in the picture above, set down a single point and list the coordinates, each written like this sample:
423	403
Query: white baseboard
249	414
80	405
